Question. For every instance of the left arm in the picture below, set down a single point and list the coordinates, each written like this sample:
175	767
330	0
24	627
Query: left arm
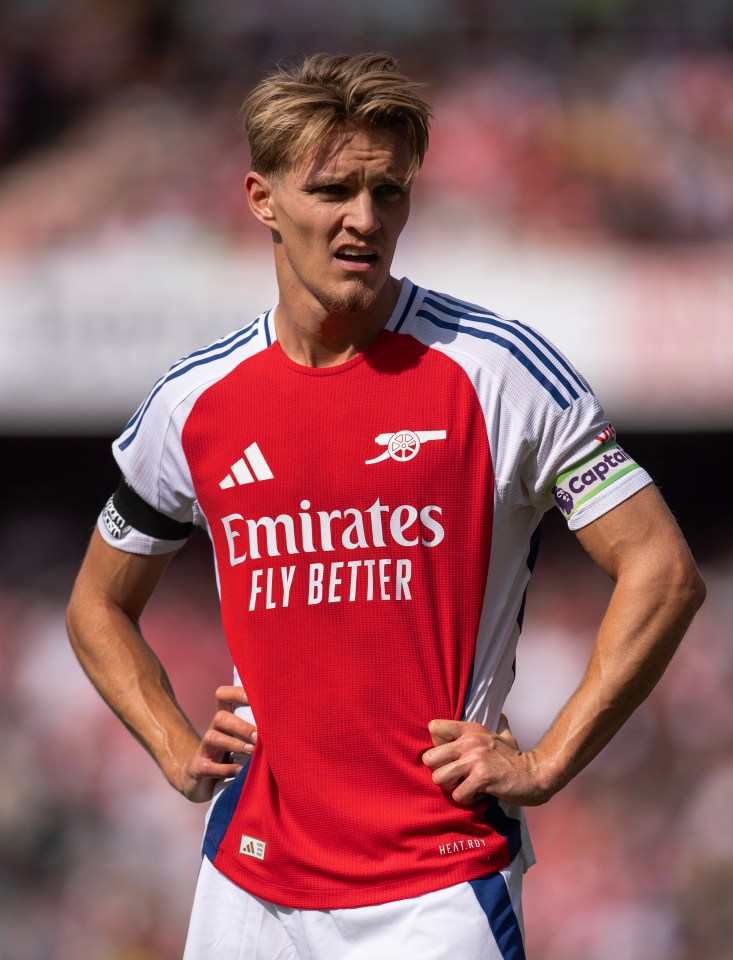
657	592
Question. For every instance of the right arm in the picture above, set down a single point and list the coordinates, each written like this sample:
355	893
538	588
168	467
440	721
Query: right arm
109	596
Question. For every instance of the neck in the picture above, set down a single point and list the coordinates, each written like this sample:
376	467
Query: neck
315	337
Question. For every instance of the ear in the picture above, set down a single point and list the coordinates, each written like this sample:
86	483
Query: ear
259	195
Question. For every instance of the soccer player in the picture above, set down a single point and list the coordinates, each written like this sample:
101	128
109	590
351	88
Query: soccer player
371	460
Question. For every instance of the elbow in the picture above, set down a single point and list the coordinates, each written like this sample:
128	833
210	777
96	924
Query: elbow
700	590
72	621
687	586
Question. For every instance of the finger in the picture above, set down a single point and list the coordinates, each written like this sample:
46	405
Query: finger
203	767
462	781
437	757
227	697
452	759
235	726
451	774
468	794
216	743
444	731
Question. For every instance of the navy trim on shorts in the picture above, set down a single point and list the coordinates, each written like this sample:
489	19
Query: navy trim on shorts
493	896
221	815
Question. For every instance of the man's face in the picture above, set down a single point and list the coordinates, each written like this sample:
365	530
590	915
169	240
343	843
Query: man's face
336	218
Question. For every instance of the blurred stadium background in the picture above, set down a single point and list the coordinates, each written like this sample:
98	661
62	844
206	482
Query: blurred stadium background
580	178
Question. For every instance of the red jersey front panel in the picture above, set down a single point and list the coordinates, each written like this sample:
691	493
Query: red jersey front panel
351	512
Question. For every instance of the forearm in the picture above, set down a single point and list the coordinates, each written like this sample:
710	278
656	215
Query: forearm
649	613
132	681
657	592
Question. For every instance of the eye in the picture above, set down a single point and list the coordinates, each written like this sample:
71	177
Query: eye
389	191
335	190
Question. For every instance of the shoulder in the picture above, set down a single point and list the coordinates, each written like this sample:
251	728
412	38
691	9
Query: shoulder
520	363
186	379
541	415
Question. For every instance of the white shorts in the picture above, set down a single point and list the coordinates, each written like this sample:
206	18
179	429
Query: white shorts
478	920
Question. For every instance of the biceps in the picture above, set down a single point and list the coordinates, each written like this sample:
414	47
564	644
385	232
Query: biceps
640	532
111	576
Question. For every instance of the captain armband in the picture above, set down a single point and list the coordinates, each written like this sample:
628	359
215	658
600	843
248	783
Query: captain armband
126	512
586	479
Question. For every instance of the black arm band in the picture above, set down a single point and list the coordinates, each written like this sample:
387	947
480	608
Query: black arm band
147	519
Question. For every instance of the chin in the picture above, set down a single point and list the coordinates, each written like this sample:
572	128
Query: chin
356	298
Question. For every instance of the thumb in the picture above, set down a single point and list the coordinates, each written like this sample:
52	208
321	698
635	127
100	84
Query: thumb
505	732
444	731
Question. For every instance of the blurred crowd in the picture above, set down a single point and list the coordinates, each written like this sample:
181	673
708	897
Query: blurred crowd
98	855
115	114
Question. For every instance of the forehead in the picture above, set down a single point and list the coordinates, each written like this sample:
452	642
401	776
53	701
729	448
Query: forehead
356	152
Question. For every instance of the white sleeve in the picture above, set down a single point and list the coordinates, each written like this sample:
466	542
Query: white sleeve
563	454
150	450
150	455
122	530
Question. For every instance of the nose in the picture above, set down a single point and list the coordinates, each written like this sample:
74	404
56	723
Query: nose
361	214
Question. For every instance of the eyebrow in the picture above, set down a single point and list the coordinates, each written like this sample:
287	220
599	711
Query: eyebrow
322	179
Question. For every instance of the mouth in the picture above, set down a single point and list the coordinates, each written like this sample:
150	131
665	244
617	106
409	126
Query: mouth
359	257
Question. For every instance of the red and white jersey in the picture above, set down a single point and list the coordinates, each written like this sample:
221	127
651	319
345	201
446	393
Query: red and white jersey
374	527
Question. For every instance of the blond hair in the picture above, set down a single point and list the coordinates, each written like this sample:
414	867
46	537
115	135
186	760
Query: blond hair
303	104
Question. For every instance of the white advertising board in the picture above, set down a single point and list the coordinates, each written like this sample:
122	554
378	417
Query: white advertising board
85	331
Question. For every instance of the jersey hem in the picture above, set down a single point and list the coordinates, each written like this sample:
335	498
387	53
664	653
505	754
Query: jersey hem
366	896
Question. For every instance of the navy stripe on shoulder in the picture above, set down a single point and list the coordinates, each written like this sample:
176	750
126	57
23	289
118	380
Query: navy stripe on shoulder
175	366
266	325
208	355
556	354
464	304
408	307
535	342
217	345
513	348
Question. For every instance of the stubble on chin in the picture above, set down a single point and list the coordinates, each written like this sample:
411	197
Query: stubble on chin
354	300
